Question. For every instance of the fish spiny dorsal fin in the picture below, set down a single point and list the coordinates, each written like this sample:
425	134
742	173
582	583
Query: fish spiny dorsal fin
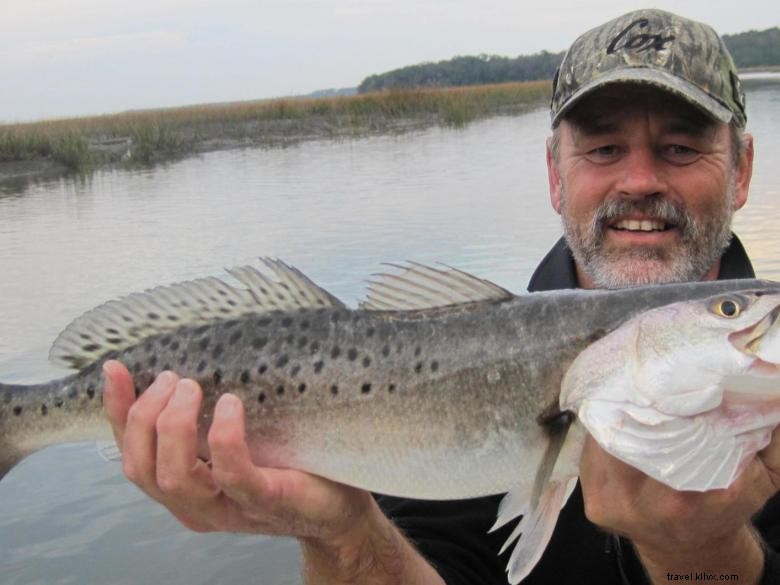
121	323
422	287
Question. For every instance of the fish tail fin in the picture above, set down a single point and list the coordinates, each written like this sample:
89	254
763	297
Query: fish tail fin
540	506
10	452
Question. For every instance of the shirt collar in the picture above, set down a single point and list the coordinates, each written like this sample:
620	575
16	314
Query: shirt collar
556	270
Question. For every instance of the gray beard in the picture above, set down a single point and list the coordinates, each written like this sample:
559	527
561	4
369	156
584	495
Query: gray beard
702	242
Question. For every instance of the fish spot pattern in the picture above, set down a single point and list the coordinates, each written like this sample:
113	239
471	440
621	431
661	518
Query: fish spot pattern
434	366
259	342
218	376
245	377
217	351
282	361
318	365
261	397
386	351
352	354
301	387
365	388
262	369
366	361
201	366
17	410
90	392
418	367
334	389
44	409
279	390
335	352
391	388
235	337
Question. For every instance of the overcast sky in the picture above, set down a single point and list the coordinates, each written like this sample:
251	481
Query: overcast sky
62	58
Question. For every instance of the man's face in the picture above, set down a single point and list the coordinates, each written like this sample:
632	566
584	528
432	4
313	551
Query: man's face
646	186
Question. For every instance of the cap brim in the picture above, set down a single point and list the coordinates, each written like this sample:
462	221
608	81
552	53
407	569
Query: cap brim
657	78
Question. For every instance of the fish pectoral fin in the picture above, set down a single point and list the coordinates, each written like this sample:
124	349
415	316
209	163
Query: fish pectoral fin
540	503
535	529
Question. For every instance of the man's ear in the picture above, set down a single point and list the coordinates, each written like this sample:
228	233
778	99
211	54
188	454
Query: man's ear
553	178
743	172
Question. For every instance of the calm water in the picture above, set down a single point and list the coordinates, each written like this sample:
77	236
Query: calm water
473	198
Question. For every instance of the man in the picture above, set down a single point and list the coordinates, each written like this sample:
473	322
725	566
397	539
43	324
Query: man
647	164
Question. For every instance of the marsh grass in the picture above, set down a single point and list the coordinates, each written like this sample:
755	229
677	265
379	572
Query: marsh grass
147	136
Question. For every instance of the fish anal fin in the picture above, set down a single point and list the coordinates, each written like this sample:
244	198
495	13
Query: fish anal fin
109	451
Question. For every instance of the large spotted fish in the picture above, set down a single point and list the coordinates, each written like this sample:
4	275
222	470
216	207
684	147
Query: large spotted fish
441	385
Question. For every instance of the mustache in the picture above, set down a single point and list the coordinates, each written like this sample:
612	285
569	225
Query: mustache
670	212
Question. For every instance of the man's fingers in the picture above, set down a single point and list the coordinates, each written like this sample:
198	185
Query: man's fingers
230	459
139	448
179	471
118	397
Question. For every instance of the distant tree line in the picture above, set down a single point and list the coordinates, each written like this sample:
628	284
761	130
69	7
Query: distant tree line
755	48
749	49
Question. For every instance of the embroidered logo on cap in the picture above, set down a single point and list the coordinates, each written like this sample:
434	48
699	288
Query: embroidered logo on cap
640	42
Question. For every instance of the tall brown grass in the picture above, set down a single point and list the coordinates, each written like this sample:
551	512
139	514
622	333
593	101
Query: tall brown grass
149	135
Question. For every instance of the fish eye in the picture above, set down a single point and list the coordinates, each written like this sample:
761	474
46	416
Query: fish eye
728	308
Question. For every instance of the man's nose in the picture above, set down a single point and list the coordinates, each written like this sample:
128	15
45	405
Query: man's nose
642	174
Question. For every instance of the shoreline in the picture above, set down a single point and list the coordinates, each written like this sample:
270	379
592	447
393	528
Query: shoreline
43	150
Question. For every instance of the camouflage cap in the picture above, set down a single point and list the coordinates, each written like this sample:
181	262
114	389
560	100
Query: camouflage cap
675	54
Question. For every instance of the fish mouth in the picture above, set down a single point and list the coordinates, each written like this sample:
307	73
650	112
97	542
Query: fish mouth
762	339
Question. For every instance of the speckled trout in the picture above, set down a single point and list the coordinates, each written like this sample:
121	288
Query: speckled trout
440	385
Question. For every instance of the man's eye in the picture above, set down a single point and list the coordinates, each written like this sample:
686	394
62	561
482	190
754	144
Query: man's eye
679	154
604	153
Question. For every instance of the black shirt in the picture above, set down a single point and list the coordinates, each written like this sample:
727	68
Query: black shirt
453	535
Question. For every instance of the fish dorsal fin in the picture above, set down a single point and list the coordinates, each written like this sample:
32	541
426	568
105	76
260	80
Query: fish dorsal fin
121	323
422	287
293	290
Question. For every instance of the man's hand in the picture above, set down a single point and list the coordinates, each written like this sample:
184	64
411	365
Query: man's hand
343	533
682	532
